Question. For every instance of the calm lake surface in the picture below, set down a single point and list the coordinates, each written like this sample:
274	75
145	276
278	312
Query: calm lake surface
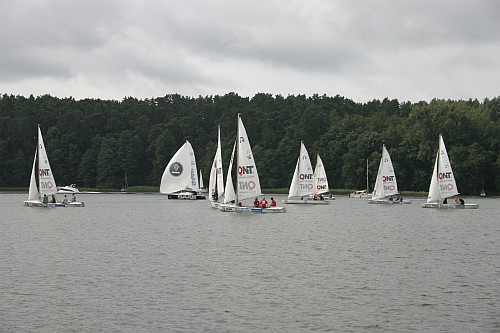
142	263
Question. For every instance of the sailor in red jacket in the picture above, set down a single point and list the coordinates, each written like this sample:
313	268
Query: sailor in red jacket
263	203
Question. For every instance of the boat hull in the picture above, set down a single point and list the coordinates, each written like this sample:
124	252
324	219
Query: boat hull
388	202
34	203
238	209
186	197
260	210
306	202
449	206
227	208
360	195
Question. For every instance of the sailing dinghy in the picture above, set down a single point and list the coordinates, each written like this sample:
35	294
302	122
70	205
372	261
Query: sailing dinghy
443	184
386	185
303	189
202	186
363	193
216	180
247	178
45	194
180	178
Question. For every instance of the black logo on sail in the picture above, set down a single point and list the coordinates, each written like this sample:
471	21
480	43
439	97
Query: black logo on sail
176	169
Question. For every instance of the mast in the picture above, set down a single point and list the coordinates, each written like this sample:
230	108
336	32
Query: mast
367	183
238	154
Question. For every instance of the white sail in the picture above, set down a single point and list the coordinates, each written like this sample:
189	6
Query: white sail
212	180
214	183
443	183
181	172
33	190
433	196
294	186
46	182
247	177
201	181
229	194
303	180
385	183
219	167
320	179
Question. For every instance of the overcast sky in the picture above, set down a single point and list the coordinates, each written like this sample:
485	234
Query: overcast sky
360	49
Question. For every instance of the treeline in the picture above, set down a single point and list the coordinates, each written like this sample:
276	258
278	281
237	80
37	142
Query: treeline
94	142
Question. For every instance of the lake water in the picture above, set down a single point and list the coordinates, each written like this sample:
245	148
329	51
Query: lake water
142	263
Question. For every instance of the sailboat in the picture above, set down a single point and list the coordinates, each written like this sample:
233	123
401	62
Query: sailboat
443	184
386	184
363	193
202	187
44	195
247	178
320	178
216	180
303	186
125	184
180	178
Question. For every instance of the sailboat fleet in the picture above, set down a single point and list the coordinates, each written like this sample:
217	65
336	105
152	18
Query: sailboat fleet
247	180
308	187
180	181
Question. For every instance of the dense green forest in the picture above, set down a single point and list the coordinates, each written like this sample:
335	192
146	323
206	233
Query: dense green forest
94	142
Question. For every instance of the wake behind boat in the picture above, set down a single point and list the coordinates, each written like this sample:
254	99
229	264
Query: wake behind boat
45	194
308	187
443	184
386	185
180	178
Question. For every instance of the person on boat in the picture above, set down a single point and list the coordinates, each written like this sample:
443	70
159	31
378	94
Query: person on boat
73	198
315	196
445	201
273	202
390	198
65	200
256	202
457	201
239	204
45	198
53	199
263	203
321	197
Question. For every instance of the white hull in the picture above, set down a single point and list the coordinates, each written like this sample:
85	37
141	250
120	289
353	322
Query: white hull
306	202
388	202
237	209
260	210
226	207
36	203
358	195
67	189
449	206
